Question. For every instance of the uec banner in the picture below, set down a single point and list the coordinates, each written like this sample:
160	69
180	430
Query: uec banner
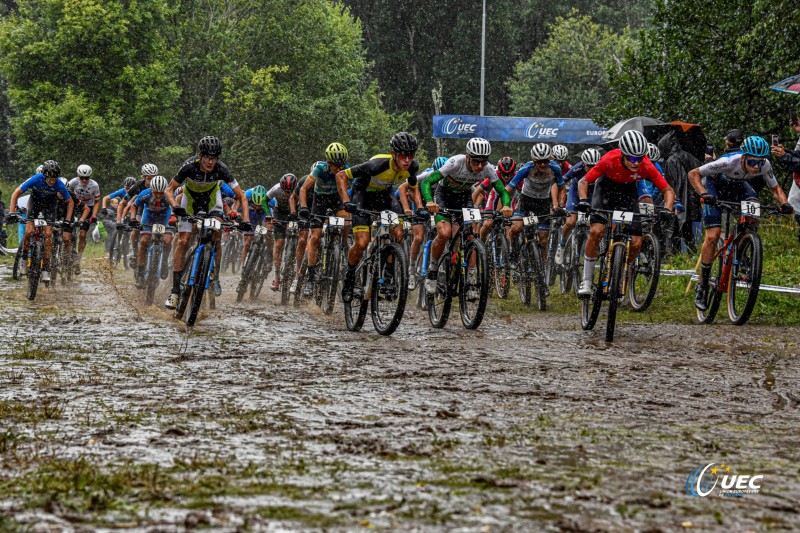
519	129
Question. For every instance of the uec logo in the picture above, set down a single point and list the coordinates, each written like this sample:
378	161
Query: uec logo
700	484
536	130
456	125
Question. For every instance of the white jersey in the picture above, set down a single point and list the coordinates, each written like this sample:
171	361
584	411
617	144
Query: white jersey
457	177
730	167
88	194
276	192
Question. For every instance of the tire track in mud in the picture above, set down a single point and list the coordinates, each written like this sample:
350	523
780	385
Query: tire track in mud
265	416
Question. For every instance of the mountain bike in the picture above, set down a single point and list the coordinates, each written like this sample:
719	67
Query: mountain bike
646	267
498	255
329	263
35	259
198	271
611	281
257	264
232	250
530	271
463	270
380	278
421	266
288	262
154	269
739	263
120	246
551	270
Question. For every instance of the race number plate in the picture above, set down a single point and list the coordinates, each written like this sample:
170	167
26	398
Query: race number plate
212	223
292	225
39	222
471	214
262	230
336	222
622	216
583	218
530	220
389	218
158	229
647	209
751	209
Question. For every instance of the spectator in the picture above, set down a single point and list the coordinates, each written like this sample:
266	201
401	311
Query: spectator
791	159
676	169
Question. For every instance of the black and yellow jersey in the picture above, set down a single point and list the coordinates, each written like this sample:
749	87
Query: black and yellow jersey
377	175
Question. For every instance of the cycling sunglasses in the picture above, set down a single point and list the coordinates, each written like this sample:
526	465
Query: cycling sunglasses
633	160
755	162
542	161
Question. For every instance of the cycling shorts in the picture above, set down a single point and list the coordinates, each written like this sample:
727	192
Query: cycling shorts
373	201
447	199
727	191
319	209
535	206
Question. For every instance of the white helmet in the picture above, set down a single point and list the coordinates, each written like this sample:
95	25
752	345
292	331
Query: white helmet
541	151
158	184
653	152
478	147
633	144
590	157
560	152
84	171
149	169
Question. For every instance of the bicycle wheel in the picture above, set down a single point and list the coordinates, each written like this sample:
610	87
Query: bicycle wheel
236	252
113	250
186	289
745	278
439	303
356	310
330	283
615	288
644	274
421	295
525	273
55	259
550	264
714	297
389	289
34	269
590	307
537	271
15	272
152	273
287	270
125	249
204	267
260	276
502	266
302	276
477	282
250	264
576	253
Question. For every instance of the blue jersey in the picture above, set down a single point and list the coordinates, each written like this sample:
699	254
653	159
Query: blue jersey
523	172
117	194
324	178
41	191
156	211
226	191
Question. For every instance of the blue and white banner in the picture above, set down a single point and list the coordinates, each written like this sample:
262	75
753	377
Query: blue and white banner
519	129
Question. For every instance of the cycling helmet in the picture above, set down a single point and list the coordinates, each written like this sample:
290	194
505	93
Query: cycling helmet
210	145
541	151
438	162
288	182
633	144
560	152
479	148
507	165
84	171
404	143
158	184
39	169
336	153
51	169
653	152
149	169
258	194
755	146
590	157
129	182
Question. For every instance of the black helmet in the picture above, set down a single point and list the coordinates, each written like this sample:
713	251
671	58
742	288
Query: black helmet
210	145
404	143
50	169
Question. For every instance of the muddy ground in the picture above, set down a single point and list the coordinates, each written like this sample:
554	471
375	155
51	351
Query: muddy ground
271	418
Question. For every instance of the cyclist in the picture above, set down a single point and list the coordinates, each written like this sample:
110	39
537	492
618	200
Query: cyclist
283	209
456	178
45	189
506	168
372	189
323	180
259	207
88	192
620	169
560	154
726	179
302	224
589	158
419	220
539	195
127	207
155	210
200	177
80	216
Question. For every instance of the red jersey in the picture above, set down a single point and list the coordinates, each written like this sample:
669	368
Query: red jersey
565	166
611	166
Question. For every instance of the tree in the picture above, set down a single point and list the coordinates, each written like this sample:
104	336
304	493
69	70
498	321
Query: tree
567	75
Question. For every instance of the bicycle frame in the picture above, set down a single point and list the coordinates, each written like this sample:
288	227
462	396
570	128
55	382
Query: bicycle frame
740	227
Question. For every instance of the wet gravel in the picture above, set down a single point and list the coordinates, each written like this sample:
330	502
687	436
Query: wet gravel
273	418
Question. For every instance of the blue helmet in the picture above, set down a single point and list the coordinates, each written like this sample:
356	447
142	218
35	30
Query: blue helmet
755	146
438	162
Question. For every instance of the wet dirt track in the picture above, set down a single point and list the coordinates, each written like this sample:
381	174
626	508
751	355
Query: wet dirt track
271	418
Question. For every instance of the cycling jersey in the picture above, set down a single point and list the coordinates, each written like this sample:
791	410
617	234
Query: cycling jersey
537	183
257	212
201	190
325	178
456	177
523	172
88	193
575	174
610	166
40	190
120	193
154	210
729	167
279	195
377	175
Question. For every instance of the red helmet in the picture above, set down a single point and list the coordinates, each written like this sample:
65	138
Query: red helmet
288	182
507	165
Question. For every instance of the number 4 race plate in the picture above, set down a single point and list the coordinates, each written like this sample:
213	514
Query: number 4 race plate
622	216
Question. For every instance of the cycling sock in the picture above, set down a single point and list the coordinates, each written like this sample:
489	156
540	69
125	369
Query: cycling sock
176	281
705	273
588	268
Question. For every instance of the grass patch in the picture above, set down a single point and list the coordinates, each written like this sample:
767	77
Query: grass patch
27	413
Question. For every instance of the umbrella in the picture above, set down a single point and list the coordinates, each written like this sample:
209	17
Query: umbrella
789	85
636	123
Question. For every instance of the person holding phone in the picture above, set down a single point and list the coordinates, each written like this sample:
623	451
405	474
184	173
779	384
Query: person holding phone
791	160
